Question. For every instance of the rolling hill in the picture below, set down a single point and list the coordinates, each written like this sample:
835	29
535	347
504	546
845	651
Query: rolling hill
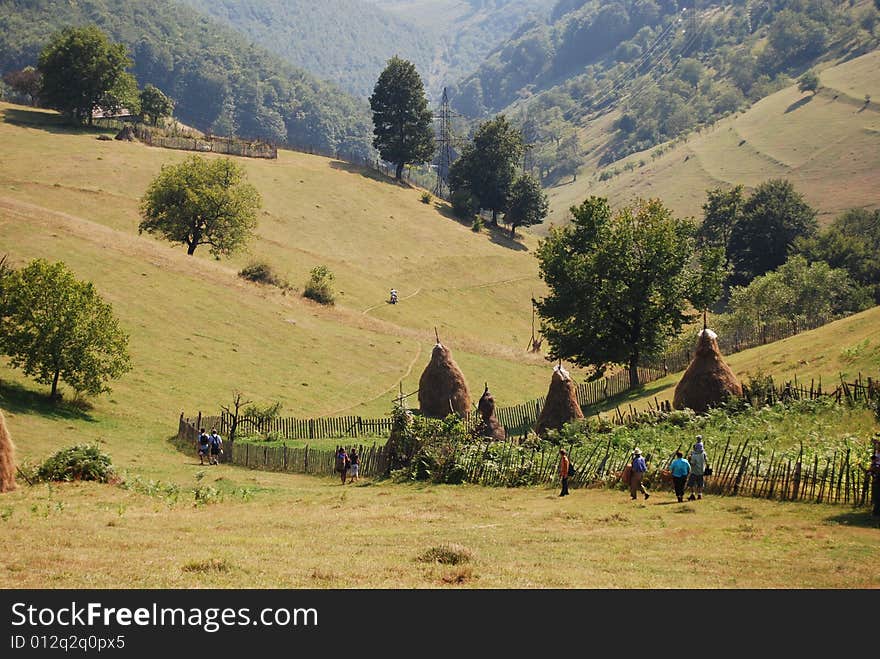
828	145
198	331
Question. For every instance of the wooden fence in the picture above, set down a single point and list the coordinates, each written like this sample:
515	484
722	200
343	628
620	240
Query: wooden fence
739	470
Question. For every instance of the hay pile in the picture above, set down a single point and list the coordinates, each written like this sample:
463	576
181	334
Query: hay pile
708	380
7	458
442	387
489	426
561	405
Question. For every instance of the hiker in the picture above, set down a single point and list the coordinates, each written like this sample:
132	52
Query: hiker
204	443
393	296
353	460
699	465
216	447
342	462
639	467
680	469
564	466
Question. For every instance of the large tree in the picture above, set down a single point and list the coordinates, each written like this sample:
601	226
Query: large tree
527	204
83	71
26	82
402	121
488	165
155	104
57	328
618	284
772	218
202	202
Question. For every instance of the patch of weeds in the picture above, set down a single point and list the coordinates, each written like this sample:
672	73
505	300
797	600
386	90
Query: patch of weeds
78	463
448	553
6	514
207	566
458	575
685	509
616	518
748	513
321	575
167	492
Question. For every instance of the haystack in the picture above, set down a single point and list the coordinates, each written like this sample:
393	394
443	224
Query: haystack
442	387
7	458
561	405
126	134
489	426
708	380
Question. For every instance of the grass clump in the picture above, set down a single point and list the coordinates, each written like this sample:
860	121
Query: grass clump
78	463
448	553
262	273
425	198
207	566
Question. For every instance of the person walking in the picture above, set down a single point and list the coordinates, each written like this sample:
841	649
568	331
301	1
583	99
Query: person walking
639	468
680	469
342	463
699	463
564	467
354	460
216	447
204	446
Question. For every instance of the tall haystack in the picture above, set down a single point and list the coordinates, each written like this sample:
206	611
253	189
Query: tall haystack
489	426
442	387
708	380
561	404
7	458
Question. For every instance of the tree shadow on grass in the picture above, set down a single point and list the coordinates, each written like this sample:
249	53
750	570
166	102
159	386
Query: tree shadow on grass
801	102
502	237
368	172
860	517
17	399
52	123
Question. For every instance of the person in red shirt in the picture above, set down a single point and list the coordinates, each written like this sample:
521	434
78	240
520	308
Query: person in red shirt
564	465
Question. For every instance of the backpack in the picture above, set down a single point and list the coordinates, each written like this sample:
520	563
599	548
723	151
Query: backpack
571	471
340	462
203	439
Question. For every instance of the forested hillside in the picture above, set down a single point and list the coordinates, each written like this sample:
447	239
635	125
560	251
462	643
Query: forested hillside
464	32
344	41
664	66
220	82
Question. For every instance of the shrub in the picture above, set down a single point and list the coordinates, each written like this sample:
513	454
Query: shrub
262	273
464	205
320	285
448	553
78	463
425	198
477	224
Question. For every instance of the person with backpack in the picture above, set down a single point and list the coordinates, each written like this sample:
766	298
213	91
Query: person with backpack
680	469
564	468
342	462
216	447
639	468
699	469
353	460
204	444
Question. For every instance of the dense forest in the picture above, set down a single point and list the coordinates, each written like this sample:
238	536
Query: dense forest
667	67
347	42
219	81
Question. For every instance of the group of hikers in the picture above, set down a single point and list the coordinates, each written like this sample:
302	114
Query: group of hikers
347	464
687	472
210	447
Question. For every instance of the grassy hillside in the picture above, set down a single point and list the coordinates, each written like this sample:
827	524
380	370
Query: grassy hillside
198	331
828	145
847	347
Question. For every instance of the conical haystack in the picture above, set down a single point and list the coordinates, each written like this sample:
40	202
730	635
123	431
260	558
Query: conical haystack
561	404
708	380
489	426
442	388
7	458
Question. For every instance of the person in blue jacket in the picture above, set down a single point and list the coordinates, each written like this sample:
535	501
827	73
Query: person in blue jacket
680	469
